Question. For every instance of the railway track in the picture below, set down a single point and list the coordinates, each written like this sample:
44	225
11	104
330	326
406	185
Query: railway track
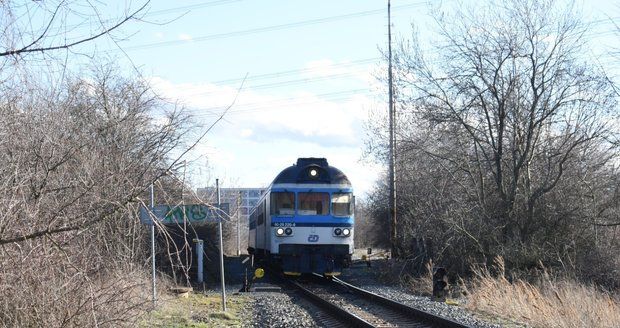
413	317
346	305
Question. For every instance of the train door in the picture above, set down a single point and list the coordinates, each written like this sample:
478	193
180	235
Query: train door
263	208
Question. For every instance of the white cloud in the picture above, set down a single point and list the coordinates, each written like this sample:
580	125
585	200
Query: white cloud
263	133
159	35
307	115
246	133
185	37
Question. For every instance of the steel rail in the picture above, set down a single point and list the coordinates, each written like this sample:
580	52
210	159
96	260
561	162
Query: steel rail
340	313
337	312
434	320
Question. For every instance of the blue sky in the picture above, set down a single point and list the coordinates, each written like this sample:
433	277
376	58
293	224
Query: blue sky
310	85
310	66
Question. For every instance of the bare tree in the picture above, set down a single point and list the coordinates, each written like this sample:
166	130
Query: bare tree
76	157
73	165
40	27
503	134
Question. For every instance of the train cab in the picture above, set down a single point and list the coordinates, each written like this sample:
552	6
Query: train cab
304	222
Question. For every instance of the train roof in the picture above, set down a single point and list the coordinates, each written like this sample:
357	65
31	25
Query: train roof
312	170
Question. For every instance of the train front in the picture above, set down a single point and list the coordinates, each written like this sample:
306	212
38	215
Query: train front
312	218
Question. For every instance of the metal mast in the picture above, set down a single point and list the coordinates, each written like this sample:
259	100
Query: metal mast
392	203
153	245
219	228
238	219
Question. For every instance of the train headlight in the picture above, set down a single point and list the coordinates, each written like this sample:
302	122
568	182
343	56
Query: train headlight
346	232
288	231
313	173
280	232
337	231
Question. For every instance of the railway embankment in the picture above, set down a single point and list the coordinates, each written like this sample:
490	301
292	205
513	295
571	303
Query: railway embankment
550	301
487	300
508	299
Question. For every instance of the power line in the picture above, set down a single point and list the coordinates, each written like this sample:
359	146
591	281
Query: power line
294	71
184	9
192	7
251	106
286	73
286	83
270	28
272	105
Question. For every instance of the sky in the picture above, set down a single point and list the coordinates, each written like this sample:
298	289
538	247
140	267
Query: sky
297	78
310	85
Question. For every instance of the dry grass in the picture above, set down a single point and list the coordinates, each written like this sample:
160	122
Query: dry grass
556	303
422	285
41	288
197	311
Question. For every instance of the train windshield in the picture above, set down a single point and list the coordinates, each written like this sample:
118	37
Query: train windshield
342	204
313	203
283	203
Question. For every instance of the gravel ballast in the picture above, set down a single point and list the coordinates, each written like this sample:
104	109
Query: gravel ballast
451	312
272	309
287	309
278	310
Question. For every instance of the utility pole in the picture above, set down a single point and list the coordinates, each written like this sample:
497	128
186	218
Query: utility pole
238	219
217	188
153	243
392	202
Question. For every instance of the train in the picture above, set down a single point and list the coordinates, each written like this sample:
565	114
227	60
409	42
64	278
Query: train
304	221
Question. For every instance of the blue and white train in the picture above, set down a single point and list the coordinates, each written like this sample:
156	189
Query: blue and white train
304	220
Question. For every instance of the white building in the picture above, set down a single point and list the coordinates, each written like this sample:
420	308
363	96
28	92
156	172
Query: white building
241	201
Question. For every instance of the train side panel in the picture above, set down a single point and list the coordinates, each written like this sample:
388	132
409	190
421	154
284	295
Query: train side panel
258	240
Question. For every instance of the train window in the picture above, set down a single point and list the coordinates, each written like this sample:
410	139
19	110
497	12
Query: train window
342	204
313	203
282	203
261	219
253	219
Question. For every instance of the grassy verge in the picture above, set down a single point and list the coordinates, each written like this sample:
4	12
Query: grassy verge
554	303
551	302
196	311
